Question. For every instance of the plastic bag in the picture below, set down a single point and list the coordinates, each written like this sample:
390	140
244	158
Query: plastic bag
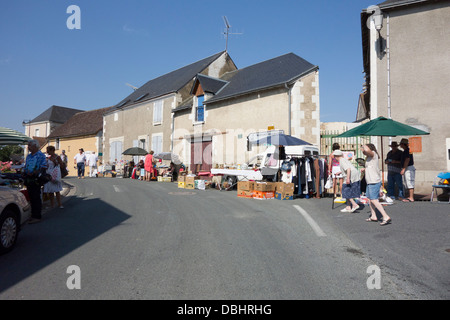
329	183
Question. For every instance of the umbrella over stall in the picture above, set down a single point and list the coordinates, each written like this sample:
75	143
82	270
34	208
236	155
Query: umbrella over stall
135	151
281	139
168	156
12	137
383	127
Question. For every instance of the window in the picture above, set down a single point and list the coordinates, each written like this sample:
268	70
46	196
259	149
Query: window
157	143
157	112
200	110
36	132
57	144
115	151
142	144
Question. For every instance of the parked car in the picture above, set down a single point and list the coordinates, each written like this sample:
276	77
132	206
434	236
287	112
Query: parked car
15	210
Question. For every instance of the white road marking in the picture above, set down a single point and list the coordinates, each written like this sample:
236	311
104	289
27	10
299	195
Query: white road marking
117	188
319	232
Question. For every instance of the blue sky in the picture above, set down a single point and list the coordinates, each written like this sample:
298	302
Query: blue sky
43	63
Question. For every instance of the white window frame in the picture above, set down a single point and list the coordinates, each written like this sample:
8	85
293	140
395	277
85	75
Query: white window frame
157	149
158	107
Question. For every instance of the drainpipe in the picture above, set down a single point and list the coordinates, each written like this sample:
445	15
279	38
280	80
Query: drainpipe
388	56
388	53
289	108
374	24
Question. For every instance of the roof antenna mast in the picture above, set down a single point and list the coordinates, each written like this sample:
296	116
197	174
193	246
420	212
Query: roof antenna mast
227	31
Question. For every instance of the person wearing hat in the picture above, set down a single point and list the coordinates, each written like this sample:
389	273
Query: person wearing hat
351	185
408	171
393	162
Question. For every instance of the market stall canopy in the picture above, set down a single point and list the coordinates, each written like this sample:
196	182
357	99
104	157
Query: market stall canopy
282	140
382	126
168	156
12	137
135	151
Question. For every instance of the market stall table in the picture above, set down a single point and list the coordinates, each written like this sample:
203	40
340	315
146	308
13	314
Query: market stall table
241	175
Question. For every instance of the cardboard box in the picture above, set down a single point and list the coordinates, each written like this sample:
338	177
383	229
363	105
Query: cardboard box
166	179
189	186
160	178
200	184
284	196
181	178
284	187
245	194
246	185
263	195
264	186
181	185
189	180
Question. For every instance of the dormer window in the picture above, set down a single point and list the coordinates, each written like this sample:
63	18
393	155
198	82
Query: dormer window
200	110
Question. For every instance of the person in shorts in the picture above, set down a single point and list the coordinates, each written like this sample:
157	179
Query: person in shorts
335	170
373	179
408	171
351	188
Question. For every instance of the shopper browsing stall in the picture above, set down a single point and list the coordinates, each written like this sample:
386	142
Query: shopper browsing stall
351	184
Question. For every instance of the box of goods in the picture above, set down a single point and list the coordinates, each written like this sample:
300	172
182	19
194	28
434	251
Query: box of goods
160	178
181	185
109	174
279	186
245	194
200	184
284	196
189	182
166	179
264	186
181	178
284	187
246	185
263	195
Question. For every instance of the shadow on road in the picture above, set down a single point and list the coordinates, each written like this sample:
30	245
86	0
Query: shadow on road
61	232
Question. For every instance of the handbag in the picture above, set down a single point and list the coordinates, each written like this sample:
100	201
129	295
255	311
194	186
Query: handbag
329	183
64	171
43	178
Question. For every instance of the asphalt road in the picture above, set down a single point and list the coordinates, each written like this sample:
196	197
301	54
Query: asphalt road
147	240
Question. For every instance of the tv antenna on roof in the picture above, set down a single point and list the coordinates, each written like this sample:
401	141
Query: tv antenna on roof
227	31
134	88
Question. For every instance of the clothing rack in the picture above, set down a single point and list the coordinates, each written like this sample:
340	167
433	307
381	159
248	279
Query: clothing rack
309	177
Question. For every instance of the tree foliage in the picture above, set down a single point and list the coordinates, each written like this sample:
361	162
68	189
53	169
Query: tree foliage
6	152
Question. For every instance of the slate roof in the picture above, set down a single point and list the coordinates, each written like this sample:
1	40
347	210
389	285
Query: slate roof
264	75
81	124
168	83
56	114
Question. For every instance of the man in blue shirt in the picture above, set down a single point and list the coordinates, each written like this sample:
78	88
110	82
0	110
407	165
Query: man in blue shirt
35	163
408	171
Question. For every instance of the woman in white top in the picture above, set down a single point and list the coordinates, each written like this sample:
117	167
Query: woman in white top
373	179
54	186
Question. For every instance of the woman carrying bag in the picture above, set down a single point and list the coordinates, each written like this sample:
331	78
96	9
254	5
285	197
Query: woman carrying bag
54	186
